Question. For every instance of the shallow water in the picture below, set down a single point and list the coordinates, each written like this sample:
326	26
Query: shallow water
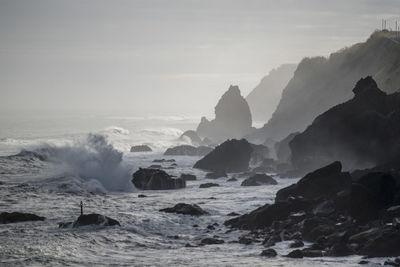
146	237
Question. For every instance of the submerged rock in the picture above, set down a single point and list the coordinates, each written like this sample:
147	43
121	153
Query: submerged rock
188	177
231	156
186	150
141	148
186	209
211	241
155	179
207	185
216	175
270	253
14	217
259	179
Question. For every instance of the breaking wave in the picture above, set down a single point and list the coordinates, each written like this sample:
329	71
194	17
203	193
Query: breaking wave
90	158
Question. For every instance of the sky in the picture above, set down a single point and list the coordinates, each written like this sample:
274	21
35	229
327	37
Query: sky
164	57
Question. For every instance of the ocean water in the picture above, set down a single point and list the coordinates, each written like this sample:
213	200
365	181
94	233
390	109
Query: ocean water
88	159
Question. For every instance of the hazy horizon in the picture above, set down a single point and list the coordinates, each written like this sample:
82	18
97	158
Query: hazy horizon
163	57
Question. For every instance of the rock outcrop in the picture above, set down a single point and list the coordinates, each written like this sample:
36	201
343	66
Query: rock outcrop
341	215
186	209
361	132
320	83
155	179
231	156
259	179
141	148
187	150
232	118
14	217
265	97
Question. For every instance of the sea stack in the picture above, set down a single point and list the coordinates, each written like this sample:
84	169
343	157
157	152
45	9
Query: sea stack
232	118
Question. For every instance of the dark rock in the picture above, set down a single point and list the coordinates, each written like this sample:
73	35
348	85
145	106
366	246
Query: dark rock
296	244
155	166
360	132
270	253
141	148
231	156
265	215
374	190
211	241
384	244
232	118
259	179
210	227
154	179
216	175
231	179
94	219
324	182
362	262
340	250
296	254
186	150
188	245
186	209
65	224
188	177
141	196
310	253
207	185
14	217
245	240
233	214
391	213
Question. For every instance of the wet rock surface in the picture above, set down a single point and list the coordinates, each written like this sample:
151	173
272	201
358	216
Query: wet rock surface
259	179
155	179
14	217
186	209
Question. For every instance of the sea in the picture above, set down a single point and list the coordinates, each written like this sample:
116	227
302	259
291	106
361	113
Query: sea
50	162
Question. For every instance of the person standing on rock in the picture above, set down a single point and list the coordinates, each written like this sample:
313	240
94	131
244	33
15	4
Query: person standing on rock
81	208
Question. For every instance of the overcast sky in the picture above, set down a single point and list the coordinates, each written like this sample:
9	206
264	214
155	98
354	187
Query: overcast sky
164	57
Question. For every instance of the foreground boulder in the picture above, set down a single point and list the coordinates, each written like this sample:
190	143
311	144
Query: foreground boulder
232	118
155	179
231	156
323	182
14	217
186	150
188	177
341	216
259	179
186	209
141	148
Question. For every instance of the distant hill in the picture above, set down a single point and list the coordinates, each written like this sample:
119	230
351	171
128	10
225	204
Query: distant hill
264	98
320	83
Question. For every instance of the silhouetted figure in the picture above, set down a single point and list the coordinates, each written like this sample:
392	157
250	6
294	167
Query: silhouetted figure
81	208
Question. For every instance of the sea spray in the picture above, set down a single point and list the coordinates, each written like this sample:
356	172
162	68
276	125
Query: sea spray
91	158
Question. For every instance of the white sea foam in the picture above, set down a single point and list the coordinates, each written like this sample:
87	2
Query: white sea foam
91	158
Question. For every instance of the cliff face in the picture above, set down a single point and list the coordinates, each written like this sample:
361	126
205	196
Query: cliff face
321	83
362	132
264	99
232	118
